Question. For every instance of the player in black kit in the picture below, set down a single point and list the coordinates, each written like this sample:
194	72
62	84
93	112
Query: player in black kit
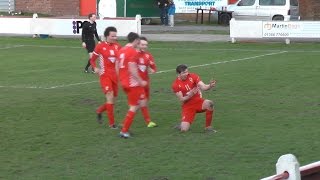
89	30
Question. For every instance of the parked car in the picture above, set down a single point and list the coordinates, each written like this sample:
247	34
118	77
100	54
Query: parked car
276	10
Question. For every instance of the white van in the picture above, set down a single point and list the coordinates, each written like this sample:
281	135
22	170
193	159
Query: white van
276	10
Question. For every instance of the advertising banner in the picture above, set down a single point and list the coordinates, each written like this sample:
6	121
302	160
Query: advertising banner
190	6
291	29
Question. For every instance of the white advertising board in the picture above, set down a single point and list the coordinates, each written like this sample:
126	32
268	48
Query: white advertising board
282	30
245	29
291	29
15	25
65	27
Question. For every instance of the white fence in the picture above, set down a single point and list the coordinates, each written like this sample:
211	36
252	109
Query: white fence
66	27
288	168
285	30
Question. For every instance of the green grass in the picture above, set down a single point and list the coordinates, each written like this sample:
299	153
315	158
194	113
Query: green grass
265	107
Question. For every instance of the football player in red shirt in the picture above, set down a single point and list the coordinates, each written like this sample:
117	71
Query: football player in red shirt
188	87
108	52
130	80
146	64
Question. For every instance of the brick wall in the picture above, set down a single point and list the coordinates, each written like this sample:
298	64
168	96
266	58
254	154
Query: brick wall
310	9
34	6
51	7
65	8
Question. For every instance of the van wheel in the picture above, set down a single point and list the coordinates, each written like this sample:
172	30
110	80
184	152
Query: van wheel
146	21
224	19
278	18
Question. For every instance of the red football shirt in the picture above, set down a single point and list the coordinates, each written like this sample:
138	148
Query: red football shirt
127	55
185	86
108	53
145	61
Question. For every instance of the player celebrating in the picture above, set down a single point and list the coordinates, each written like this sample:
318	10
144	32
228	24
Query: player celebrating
131	82
89	30
187	88
146	64
107	51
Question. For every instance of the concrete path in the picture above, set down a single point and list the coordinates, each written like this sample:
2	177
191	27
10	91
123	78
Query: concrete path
160	28
185	33
188	37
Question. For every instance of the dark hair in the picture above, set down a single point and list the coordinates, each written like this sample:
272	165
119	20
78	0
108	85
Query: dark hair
108	30
132	37
143	38
90	15
180	68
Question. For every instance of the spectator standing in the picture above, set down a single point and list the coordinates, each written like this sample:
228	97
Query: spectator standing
163	6
171	12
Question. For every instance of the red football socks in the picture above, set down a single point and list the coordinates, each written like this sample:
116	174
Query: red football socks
101	109
110	113
209	118
146	115
128	121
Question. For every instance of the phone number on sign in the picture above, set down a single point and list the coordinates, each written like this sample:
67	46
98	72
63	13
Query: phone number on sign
276	34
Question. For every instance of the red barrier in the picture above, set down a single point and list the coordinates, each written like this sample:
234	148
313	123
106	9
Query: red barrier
307	172
87	7
310	171
284	175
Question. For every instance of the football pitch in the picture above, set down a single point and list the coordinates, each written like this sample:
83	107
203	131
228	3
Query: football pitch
267	104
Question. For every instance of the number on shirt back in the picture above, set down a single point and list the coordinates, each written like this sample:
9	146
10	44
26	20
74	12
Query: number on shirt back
121	65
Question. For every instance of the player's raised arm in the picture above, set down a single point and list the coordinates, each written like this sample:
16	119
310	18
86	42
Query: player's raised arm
205	87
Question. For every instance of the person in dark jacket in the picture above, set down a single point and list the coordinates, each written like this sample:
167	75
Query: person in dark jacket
163	5
89	30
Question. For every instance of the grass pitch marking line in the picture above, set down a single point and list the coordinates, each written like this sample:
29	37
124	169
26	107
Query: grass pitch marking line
52	46
23	87
10	47
223	62
159	72
67	85
52	87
